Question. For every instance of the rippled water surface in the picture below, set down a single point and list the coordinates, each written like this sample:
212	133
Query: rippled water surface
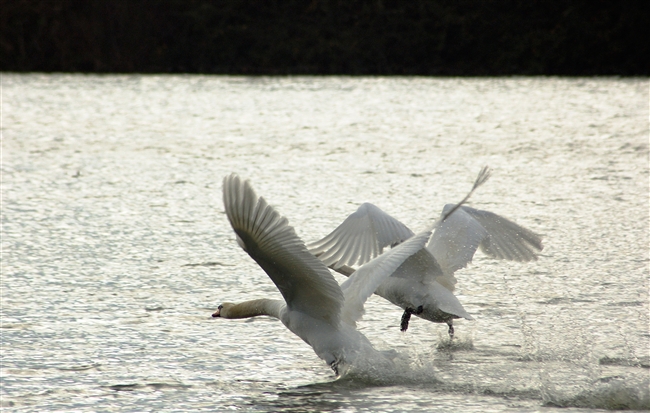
116	250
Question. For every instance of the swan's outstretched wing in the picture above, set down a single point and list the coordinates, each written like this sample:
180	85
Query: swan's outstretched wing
363	283
305	283
361	237
456	239
506	240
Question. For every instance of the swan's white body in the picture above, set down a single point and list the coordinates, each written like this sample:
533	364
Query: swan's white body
315	307
423	285
337	344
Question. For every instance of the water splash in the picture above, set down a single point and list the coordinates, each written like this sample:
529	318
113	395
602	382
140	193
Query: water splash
611	393
458	343
404	369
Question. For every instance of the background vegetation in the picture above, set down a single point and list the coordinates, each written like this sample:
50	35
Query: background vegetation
383	37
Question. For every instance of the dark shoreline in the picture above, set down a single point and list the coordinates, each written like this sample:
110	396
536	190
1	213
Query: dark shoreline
416	37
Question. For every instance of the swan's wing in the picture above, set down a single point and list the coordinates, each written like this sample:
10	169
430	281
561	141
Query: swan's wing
305	283
361	237
456	239
506	240
363	283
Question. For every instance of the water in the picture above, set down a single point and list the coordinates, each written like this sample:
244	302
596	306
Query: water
116	250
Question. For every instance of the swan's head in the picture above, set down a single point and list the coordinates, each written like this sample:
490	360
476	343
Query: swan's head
222	310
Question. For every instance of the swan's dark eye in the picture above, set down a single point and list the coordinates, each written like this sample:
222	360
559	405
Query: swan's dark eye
220	307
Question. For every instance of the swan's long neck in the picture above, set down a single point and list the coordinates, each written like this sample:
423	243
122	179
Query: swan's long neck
253	308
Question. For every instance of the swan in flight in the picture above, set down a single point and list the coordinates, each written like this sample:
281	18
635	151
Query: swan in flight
423	285
315	307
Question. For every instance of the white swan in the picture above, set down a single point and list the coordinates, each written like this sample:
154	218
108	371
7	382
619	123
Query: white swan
315	307
423	285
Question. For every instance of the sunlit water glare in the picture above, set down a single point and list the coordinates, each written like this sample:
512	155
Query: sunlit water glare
116	250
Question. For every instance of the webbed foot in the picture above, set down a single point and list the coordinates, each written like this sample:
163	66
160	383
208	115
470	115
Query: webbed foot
451	329
406	317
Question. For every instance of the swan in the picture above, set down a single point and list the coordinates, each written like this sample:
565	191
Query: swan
315	308
423	285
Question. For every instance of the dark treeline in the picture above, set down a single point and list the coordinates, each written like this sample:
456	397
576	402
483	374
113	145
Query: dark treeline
387	37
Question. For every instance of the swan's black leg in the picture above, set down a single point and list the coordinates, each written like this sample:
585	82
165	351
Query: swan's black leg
335	366
406	317
451	329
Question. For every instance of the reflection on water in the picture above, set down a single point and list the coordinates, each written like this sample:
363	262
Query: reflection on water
115	248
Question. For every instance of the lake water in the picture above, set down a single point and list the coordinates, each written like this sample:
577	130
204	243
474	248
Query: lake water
116	249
